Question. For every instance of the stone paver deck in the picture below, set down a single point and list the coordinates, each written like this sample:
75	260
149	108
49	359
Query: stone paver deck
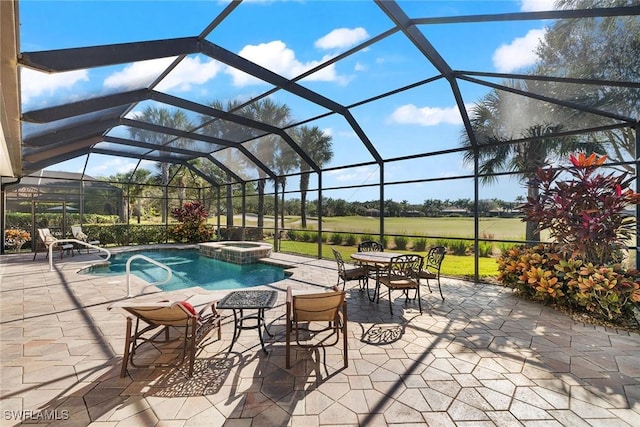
481	358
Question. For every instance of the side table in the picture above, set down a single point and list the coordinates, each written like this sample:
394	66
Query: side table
238	301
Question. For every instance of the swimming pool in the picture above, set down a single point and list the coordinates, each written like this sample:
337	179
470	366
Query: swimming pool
190	269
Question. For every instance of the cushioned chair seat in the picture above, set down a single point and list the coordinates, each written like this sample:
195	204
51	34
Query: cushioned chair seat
305	309
162	315
402	274
346	274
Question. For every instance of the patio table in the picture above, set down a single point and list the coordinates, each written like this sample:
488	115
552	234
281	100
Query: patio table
238	301
376	261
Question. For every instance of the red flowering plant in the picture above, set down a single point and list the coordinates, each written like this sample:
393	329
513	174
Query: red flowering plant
192	227
585	214
589	228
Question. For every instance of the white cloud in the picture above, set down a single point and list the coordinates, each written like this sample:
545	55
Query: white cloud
342	38
352	174
134	114
360	67
537	5
520	53
137	75
347	133
36	83
188	72
277	57
425	116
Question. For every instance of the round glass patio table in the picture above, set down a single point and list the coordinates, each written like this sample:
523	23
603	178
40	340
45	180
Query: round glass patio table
377	262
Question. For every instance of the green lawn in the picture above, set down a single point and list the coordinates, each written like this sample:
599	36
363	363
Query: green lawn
453	265
497	228
505	228
452	227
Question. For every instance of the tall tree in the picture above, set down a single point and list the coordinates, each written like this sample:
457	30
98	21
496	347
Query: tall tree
284	160
317	145
571	49
230	131
132	186
500	117
211	170
267	147
176	119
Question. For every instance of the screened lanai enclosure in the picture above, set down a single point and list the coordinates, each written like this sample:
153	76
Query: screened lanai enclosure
409	122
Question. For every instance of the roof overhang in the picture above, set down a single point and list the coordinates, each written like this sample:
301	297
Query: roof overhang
10	129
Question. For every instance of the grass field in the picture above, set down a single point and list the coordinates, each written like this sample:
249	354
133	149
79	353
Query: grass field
453	265
497	228
500	228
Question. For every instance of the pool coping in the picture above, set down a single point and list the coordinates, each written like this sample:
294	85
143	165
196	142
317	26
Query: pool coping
233	252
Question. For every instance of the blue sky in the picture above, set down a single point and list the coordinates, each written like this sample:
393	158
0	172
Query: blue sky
290	37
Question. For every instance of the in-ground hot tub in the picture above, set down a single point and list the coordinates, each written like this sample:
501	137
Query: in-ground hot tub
237	252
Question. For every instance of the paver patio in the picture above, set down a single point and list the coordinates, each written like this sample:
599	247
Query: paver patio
481	357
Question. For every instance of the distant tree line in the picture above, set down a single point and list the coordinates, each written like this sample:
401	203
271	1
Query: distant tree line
428	208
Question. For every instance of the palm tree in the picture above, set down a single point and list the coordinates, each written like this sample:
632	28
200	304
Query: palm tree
285	160
268	112
132	186
567	50
500	117
227	130
139	180
216	174
163	117
317	145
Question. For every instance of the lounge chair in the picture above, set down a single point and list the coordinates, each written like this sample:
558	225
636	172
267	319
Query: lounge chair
328	307
78	234
47	239
159	318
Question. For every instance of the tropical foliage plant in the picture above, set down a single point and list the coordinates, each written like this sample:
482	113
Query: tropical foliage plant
192	217
581	269
585	214
14	238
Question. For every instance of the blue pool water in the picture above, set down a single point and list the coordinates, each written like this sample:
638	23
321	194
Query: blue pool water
190	269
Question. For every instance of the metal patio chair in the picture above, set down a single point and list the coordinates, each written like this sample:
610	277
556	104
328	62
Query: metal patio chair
155	320
347	274
431	267
306	311
402	274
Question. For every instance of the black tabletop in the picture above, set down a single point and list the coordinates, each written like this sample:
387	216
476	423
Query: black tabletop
255	299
